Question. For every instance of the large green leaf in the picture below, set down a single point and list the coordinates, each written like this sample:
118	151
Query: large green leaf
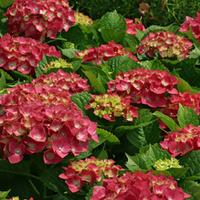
112	26
187	116
144	131
192	188
146	158
192	161
122	64
168	121
81	100
5	3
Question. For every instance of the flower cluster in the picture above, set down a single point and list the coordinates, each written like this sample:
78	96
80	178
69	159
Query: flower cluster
186	99
104	52
148	87
62	81
166	164
23	54
139	186
82	19
133	26
166	44
39	19
110	106
193	24
89	171
35	119
58	64
183	141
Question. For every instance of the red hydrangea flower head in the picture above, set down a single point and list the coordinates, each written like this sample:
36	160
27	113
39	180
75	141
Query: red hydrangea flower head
139	186
193	24
148	87
70	82
110	106
104	52
183	141
186	99
39	19
37	119
89	171
23	54
166	44
133	25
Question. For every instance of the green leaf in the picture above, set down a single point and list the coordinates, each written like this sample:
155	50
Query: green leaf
192	188
192	161
184	86
95	81
168	121
81	100
69	53
146	158
5	3
112	26
107	136
144	131
153	64
122	64
3	195
131	41
187	116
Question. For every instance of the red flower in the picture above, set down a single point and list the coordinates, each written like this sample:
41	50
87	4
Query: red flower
148	87
39	19
23	54
133	26
183	141
38	118
193	24
70	82
166	44
89	171
186	99
139	186
104	52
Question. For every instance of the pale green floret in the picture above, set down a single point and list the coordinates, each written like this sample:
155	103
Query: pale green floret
60	63
162	165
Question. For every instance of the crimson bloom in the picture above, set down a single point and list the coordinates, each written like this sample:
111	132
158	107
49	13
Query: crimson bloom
182	141
148	87
42	118
89	171
139	186
166	44
39	19
104	52
193	24
23	54
186	99
70	82
133	25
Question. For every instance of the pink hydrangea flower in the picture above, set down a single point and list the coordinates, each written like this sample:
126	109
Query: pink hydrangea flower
133	26
186	99
139	186
39	19
148	87
23	54
42	118
104	52
110	106
183	141
193	24
166	44
70	82
89	171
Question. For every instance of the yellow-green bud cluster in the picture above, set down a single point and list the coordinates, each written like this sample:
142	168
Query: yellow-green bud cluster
162	165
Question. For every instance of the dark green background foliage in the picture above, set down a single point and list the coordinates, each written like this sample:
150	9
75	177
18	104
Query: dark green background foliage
161	12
